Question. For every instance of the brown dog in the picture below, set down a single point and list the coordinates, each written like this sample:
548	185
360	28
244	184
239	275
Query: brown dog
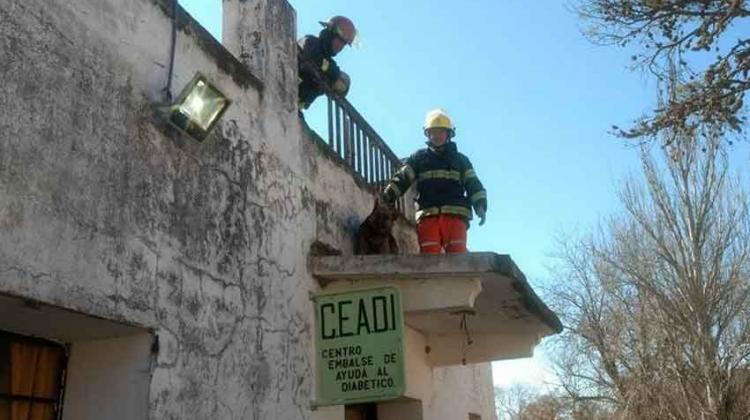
375	233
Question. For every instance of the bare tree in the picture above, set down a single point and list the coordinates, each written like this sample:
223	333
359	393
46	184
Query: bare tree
526	402
511	400
688	31
657	302
544	407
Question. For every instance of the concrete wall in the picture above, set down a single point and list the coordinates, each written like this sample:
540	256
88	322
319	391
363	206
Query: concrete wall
109	378
106	211
346	202
477	393
450	392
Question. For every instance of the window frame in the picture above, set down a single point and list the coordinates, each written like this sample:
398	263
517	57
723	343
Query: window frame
57	403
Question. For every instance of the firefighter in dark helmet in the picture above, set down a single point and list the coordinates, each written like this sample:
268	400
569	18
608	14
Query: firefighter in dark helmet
316	63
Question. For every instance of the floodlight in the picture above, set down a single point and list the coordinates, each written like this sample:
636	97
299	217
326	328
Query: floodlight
198	108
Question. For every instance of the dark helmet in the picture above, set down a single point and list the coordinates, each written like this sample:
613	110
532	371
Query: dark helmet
342	27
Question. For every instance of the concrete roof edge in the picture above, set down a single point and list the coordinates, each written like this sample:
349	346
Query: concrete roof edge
531	300
333	267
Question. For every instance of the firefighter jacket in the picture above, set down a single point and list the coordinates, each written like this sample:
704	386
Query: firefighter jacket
315	54
446	182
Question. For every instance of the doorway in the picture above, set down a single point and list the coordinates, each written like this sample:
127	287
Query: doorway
361	412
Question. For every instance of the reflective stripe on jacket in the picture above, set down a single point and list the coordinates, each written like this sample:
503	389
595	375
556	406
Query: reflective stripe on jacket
446	182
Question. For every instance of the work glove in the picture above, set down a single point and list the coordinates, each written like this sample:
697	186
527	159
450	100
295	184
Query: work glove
482	214
384	199
342	84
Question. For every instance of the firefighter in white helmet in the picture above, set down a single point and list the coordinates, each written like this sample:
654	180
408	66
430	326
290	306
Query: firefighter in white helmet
447	188
316	63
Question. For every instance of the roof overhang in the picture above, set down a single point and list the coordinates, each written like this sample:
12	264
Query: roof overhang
451	298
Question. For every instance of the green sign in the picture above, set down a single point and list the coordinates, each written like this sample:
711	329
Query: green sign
360	346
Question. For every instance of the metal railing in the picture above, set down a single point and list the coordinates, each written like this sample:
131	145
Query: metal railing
357	144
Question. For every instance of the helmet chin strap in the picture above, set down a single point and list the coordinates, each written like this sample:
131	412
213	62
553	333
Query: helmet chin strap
435	146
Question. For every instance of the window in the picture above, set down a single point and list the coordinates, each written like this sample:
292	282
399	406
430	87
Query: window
32	372
473	416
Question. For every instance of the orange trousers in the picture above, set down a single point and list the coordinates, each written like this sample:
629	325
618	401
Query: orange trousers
440	233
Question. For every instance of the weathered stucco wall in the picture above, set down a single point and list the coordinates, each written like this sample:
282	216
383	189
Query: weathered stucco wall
105	211
252	32
343	202
448	392
476	397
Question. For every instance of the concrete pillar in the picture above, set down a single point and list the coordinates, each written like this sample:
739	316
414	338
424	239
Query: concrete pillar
262	35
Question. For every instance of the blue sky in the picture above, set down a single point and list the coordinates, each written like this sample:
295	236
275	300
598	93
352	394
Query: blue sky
531	97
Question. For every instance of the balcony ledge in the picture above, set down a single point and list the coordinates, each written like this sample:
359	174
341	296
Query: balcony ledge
504	317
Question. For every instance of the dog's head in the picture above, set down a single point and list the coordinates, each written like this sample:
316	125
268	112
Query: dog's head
382	217
375	234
